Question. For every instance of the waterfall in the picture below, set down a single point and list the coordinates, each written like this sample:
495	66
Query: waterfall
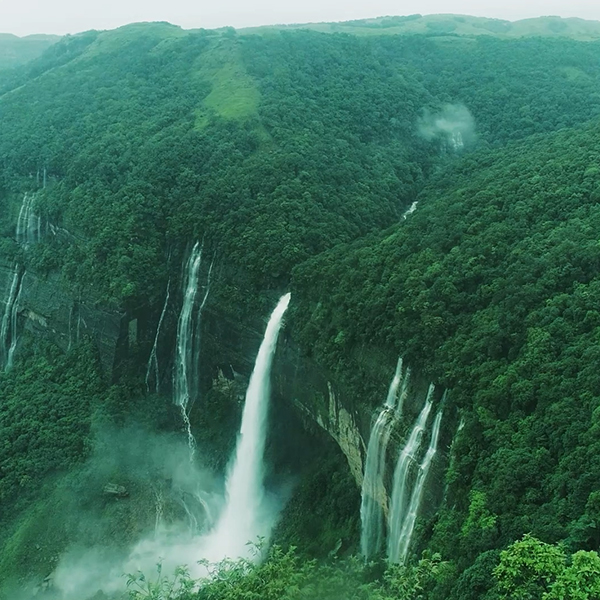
184	352
406	458
245	515
411	209
8	331
188	341
28	230
415	500
456	141
159	511
390	400
373	491
403	393
153	360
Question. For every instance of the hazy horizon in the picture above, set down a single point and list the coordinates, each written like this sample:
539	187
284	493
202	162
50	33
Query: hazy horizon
31	17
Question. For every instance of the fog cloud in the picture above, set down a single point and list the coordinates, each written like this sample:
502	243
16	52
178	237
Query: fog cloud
454	125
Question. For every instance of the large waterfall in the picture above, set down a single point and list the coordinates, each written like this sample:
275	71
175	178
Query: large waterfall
245	515
406	458
373	495
188	343
408	526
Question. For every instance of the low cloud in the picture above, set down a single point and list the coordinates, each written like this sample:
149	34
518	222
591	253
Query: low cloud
453	125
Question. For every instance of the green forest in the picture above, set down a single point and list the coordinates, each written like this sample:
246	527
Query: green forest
433	195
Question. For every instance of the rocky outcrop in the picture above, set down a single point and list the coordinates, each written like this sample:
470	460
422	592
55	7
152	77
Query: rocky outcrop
342	427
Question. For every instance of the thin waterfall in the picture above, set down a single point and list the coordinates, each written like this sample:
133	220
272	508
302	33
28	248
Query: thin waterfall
159	511
188	349
373	494
8	331
390	400
246	515
185	330
194	380
401	478
415	500
28	230
403	393
153	360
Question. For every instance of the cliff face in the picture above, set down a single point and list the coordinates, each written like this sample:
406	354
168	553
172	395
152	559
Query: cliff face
304	392
48	308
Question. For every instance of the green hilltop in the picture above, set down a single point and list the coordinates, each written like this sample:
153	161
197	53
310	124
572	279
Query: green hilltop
455	25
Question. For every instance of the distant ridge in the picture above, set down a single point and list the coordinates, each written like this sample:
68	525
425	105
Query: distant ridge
450	24
15	51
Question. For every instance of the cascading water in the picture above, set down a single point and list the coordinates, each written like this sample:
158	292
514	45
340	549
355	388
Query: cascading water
203	303
456	141
184	355
403	393
406	458
153	360
411	516
8	331
28	230
410	210
392	394
373	491
188	347
245	515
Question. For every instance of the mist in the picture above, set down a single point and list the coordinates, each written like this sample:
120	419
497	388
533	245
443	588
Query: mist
453	125
166	507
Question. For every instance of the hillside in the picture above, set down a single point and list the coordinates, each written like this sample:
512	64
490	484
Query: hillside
490	286
428	197
15	51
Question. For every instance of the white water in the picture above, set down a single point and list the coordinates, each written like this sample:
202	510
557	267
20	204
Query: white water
406	458
403	393
373	495
188	342
28	224
184	352
153	360
390	400
8	331
411	209
411	516
246	514
456	141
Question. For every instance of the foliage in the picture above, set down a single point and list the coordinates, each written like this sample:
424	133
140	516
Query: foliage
491	287
283	576
531	570
163	588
